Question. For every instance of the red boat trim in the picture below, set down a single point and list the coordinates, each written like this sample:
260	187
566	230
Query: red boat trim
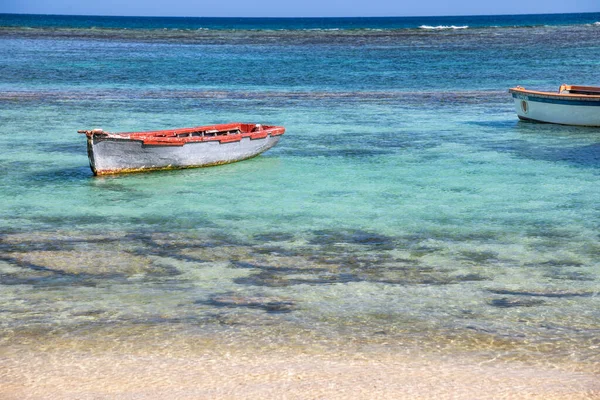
229	139
224	133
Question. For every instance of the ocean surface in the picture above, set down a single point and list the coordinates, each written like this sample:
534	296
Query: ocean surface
406	207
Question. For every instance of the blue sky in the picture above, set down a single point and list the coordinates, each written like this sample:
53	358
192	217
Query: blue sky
295	8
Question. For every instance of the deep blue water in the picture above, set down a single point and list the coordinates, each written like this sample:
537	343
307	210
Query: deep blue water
379	23
405	197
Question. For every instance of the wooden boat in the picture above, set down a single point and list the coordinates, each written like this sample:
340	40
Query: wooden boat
571	105
202	146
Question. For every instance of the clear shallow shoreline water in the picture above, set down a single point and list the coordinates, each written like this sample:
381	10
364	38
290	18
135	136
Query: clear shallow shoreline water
404	205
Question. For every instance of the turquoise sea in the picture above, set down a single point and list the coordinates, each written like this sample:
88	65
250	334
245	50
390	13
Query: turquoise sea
406	207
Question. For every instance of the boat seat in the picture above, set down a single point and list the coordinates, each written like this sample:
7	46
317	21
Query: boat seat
586	92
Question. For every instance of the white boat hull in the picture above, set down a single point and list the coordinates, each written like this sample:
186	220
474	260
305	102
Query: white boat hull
115	155
557	109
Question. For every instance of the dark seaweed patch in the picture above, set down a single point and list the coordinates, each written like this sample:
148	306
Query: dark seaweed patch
273	269
167	250
167	245
273	237
281	251
225	239
548	231
164	271
395	275
423	251
274	279
89	313
570	276
557	294
70	221
33	267
471	278
478	329
415	274
57	243
170	246
409	266
268	304
471	236
190	221
556	263
432	280
479	256
264	279
331	237
506	302
243	264
167	320
352	261
463	189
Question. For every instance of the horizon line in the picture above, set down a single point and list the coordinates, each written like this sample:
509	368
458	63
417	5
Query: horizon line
304	17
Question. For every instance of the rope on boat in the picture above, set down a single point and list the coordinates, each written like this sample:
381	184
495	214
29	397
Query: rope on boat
96	131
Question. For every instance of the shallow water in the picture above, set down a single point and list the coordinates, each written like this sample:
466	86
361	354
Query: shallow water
405	204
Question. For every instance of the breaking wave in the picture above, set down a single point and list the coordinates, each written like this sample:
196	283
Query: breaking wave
442	27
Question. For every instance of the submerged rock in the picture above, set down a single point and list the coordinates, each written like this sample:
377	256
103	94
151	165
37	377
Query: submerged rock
220	253
90	262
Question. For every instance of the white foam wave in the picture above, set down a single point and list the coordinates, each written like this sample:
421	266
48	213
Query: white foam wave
442	27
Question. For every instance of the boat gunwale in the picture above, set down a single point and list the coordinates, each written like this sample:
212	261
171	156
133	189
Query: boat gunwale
552	95
171	136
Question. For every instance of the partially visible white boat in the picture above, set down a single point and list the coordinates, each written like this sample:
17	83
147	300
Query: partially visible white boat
571	105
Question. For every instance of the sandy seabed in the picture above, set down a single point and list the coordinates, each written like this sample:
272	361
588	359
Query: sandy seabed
56	373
